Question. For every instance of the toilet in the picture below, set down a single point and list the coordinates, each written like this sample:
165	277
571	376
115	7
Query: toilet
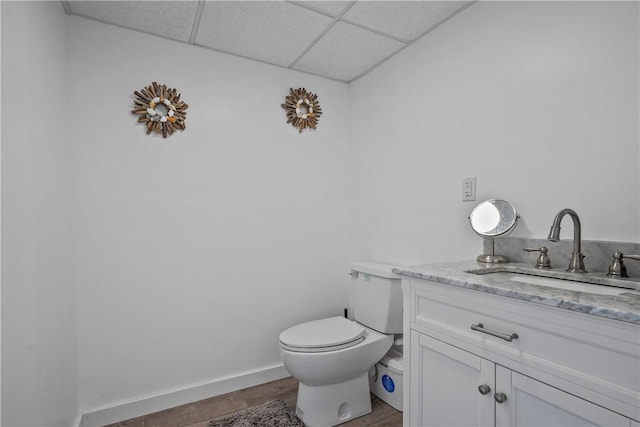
331	357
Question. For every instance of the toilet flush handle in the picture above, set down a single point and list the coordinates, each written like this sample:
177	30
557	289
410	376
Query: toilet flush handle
353	274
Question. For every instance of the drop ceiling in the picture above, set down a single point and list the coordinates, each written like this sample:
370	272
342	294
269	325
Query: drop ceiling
340	40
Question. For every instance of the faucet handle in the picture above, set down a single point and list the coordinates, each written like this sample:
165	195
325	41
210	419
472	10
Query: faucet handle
617	267
543	260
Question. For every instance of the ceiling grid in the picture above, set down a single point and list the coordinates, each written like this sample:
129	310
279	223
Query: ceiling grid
339	40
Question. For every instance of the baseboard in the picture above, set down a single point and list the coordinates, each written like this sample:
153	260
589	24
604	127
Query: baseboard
77	421
149	404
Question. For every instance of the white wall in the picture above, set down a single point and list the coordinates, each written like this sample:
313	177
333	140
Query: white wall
0	238
39	370
538	100
195	252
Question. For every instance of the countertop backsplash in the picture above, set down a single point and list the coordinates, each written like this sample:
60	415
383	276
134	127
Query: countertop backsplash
598	254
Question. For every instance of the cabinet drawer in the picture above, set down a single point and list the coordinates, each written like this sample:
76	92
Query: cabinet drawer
594	357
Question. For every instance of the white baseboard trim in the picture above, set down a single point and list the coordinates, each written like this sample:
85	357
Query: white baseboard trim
158	402
77	421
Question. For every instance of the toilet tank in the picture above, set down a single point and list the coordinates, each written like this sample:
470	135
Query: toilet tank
376	297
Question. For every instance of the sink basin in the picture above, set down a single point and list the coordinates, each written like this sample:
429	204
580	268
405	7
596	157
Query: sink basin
568	285
595	283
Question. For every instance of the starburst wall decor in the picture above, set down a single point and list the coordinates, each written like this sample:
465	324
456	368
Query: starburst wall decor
303	109
160	108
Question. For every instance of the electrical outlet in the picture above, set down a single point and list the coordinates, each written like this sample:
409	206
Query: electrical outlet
469	189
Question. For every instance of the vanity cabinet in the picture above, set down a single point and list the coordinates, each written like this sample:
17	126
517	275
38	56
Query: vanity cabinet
526	364
444	385
457	388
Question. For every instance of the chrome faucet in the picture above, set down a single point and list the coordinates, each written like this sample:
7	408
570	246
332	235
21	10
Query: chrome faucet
576	265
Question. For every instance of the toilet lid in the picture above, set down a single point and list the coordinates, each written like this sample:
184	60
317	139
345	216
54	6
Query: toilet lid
323	335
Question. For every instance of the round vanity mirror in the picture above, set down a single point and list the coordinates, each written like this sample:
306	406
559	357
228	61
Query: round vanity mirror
493	218
490	219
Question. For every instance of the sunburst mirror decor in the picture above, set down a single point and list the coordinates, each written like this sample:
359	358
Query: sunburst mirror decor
160	108
303	109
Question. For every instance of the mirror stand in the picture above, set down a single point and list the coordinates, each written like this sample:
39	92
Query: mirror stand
492	258
492	219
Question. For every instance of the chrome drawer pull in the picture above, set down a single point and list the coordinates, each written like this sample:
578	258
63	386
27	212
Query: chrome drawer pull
480	328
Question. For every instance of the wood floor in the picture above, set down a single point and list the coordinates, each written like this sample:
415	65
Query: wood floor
198	414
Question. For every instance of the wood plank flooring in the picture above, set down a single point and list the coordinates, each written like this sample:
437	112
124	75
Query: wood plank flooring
198	414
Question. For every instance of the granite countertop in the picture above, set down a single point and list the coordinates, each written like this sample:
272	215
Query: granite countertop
605	301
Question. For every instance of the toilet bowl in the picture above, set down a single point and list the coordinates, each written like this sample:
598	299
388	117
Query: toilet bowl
331	357
332	368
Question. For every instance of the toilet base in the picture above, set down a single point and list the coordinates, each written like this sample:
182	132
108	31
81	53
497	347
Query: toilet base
333	404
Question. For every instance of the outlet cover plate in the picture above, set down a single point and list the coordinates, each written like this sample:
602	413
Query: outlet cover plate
469	189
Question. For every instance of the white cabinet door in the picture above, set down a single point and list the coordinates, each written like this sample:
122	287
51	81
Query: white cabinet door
531	403
444	385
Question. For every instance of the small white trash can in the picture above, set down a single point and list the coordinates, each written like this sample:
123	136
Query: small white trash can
385	380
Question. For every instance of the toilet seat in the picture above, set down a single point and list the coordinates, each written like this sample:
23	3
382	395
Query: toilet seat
317	336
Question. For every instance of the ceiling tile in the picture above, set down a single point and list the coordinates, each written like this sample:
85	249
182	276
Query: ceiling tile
332	7
346	51
309	36
404	19
173	20
274	32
